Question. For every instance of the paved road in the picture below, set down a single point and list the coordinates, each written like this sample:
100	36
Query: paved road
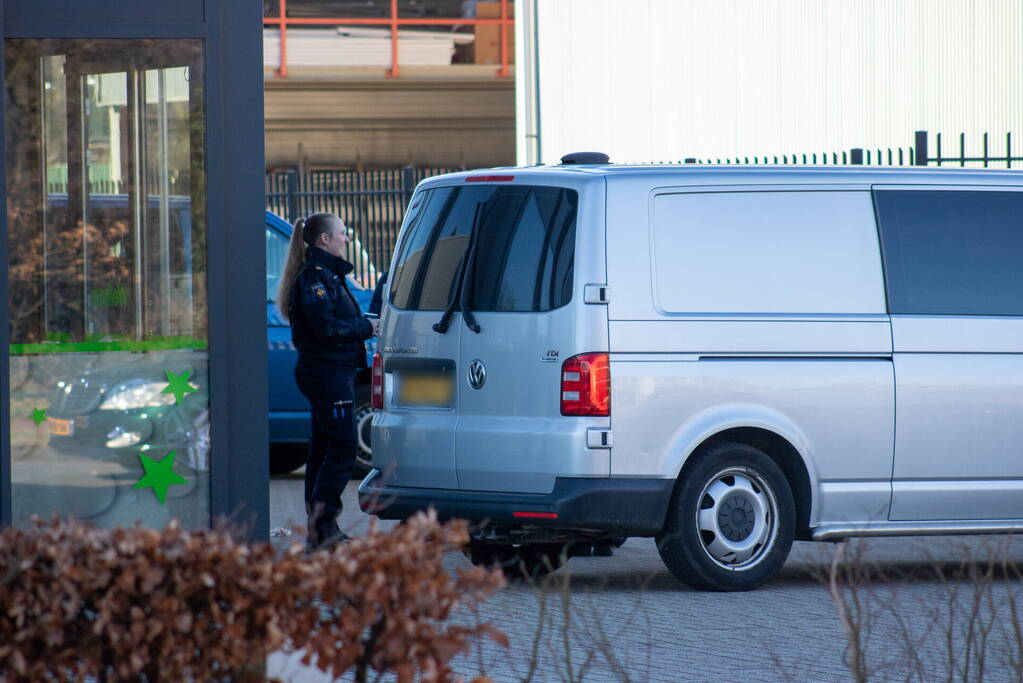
626	618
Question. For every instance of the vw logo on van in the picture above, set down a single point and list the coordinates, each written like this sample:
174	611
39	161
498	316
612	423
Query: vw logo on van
477	374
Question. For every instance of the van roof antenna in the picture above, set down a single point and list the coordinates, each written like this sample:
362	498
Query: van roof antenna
585	158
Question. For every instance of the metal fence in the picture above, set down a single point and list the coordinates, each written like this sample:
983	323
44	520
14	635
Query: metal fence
372	204
986	154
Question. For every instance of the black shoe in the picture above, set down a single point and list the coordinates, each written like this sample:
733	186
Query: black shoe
321	532
333	541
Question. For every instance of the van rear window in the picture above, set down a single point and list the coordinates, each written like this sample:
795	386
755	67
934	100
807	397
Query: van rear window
525	248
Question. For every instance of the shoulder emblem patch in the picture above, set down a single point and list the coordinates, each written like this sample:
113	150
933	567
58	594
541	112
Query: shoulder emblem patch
319	290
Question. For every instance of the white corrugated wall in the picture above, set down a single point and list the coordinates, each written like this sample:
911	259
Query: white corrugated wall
661	80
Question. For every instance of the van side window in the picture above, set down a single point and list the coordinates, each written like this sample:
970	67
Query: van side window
952	252
525	254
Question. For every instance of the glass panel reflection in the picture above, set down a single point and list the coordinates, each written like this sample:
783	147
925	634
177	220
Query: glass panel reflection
106	220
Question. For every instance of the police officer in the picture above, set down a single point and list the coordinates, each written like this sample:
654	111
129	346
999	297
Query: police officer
328	330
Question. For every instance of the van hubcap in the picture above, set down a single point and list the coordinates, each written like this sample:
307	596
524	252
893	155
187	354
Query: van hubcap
737	517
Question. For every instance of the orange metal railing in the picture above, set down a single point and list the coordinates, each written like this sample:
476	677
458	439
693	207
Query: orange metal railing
283	21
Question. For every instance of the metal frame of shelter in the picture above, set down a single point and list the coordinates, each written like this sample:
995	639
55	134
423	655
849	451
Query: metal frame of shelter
232	37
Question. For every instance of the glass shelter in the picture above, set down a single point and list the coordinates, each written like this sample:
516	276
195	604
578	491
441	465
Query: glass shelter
130	393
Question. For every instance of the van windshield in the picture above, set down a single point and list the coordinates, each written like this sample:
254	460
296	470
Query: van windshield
524	256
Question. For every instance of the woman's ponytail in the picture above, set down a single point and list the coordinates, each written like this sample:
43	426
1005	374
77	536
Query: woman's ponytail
292	264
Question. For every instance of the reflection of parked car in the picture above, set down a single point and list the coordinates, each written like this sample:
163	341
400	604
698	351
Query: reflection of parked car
119	408
289	410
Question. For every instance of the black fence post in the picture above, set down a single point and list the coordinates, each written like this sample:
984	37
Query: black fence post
408	186
291	198
920	148
856	156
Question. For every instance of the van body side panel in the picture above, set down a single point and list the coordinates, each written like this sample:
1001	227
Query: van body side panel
959	446
760	309
732	336
837	413
765	252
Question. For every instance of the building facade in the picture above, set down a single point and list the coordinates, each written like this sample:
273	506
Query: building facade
337	121
663	80
381	84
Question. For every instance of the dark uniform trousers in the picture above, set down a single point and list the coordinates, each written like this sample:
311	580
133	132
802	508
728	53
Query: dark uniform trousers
332	444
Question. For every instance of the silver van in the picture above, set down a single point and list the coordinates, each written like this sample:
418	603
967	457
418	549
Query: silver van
723	358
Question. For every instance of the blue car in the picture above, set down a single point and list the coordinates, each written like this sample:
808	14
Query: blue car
289	410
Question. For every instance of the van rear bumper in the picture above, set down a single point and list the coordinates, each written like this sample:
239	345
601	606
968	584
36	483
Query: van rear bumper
629	507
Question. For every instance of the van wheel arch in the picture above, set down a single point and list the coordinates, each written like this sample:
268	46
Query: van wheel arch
785	456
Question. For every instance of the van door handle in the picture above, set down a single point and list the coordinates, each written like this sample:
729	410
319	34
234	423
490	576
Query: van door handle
598	437
596	294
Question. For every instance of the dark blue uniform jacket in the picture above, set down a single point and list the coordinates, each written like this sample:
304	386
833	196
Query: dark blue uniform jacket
326	324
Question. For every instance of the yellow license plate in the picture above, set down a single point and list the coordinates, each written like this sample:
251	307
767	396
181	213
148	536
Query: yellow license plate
61	427
425	390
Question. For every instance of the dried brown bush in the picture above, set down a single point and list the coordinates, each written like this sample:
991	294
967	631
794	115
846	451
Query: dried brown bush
175	605
930	619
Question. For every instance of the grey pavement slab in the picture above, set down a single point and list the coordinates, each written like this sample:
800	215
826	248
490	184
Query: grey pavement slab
625	618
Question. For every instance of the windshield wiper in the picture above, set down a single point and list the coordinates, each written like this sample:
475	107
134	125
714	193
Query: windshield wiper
441	326
455	299
467	278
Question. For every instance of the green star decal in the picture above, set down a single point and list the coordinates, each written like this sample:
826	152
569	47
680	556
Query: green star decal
39	416
159	476
178	385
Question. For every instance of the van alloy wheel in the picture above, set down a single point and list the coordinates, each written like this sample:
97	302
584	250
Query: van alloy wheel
731	519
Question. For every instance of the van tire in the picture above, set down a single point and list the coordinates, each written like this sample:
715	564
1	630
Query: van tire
517	561
745	543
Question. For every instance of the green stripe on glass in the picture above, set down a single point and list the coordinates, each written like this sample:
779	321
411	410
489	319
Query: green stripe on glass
169	344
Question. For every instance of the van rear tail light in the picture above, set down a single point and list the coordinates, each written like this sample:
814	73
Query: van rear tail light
377	383
586	385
